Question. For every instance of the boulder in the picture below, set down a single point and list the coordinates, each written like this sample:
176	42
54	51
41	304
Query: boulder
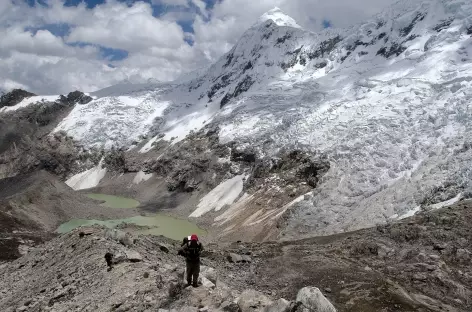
164	247
280	305
310	299
209	273
207	283
251	300
133	256
118	257
235	258
229	307
122	237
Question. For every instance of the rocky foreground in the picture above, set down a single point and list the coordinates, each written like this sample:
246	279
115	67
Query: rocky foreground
420	264
95	269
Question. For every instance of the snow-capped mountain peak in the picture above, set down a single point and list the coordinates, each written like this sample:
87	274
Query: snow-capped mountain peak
387	101
279	18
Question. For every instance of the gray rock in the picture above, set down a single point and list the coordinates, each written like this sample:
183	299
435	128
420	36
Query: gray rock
280	305
133	256
119	257
207	283
209	273
164	247
122	237
311	299
235	258
229	307
251	300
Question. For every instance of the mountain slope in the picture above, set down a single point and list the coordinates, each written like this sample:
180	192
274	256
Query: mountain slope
385	102
414	265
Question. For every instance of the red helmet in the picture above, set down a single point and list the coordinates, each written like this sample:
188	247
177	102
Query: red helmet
194	237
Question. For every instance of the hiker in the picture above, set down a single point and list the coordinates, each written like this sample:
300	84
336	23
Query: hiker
191	251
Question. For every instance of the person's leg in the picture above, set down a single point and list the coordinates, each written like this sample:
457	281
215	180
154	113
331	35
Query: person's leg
196	273
189	273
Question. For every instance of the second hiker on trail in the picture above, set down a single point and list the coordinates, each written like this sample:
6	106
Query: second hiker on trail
191	251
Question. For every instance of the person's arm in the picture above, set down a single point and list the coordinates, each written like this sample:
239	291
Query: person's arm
182	251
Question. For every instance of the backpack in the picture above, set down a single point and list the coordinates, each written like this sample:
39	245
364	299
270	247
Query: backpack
193	250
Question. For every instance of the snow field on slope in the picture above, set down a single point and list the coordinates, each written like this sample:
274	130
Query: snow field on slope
87	179
107	121
224	194
142	177
34	100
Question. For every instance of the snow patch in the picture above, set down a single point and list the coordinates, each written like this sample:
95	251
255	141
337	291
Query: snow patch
148	146
446	203
142	176
410	213
87	179
224	194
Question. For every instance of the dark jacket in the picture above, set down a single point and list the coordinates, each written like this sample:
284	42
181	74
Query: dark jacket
191	251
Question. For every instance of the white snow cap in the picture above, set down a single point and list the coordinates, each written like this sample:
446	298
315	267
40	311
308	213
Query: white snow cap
279	17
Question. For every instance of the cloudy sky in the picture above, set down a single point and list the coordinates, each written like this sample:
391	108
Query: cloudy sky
56	46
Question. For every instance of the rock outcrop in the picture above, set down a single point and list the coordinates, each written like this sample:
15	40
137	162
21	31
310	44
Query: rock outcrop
14	97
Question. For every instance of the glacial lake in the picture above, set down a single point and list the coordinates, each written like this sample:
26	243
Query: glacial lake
156	224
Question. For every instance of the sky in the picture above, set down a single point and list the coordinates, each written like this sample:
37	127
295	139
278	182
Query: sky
58	46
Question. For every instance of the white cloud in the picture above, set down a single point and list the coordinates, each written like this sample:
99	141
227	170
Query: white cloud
45	63
132	28
42	43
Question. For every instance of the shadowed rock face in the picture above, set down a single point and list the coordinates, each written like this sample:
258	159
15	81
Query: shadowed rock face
78	97
14	97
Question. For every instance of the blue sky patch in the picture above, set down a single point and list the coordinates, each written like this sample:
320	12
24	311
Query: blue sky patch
58	30
109	54
327	24
113	54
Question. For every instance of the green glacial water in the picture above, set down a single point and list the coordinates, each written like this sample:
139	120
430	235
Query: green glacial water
115	201
157	224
